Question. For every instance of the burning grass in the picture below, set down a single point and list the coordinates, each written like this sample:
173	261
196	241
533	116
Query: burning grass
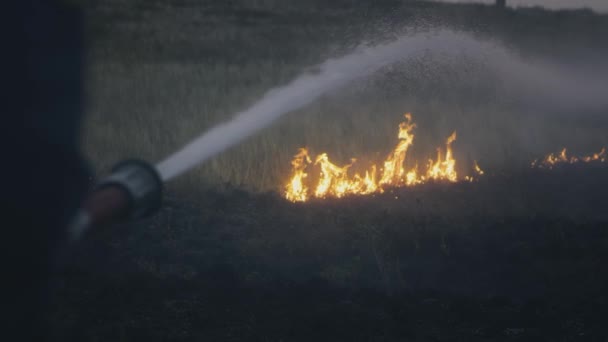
335	181
147	101
554	159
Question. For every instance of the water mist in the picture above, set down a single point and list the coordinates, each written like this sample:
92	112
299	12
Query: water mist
538	82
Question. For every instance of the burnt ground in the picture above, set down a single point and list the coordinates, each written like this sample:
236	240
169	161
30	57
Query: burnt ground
517	256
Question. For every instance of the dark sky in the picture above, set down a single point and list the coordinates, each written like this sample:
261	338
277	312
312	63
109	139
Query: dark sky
597	5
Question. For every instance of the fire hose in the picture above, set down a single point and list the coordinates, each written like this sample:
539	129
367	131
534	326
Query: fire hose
134	189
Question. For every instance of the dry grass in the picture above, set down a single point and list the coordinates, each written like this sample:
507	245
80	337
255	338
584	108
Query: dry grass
189	69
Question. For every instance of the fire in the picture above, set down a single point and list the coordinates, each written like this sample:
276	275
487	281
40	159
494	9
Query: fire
443	169
297	190
478	170
553	159
393	166
335	181
600	156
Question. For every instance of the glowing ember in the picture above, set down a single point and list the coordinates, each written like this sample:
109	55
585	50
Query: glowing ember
600	156
553	159
478	169
335	181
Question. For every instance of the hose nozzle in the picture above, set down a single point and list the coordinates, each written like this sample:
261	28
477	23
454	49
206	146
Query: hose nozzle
132	190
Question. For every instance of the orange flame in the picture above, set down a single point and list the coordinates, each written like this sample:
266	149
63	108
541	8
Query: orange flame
478	170
600	156
296	190
553	159
443	169
334	180
393	166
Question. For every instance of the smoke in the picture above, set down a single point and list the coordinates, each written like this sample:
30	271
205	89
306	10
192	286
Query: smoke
533	82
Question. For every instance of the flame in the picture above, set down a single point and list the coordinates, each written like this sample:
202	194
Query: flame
334	180
443	169
553	159
393	166
600	156
478	170
296	190
412	177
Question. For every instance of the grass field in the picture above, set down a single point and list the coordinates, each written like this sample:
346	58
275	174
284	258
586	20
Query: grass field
518	255
162	73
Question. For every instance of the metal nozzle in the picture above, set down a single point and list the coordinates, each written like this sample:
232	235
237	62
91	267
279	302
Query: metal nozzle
133	190
141	182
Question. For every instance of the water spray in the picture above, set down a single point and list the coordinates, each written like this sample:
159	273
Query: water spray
134	188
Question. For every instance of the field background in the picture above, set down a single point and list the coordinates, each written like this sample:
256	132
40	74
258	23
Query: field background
162	72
